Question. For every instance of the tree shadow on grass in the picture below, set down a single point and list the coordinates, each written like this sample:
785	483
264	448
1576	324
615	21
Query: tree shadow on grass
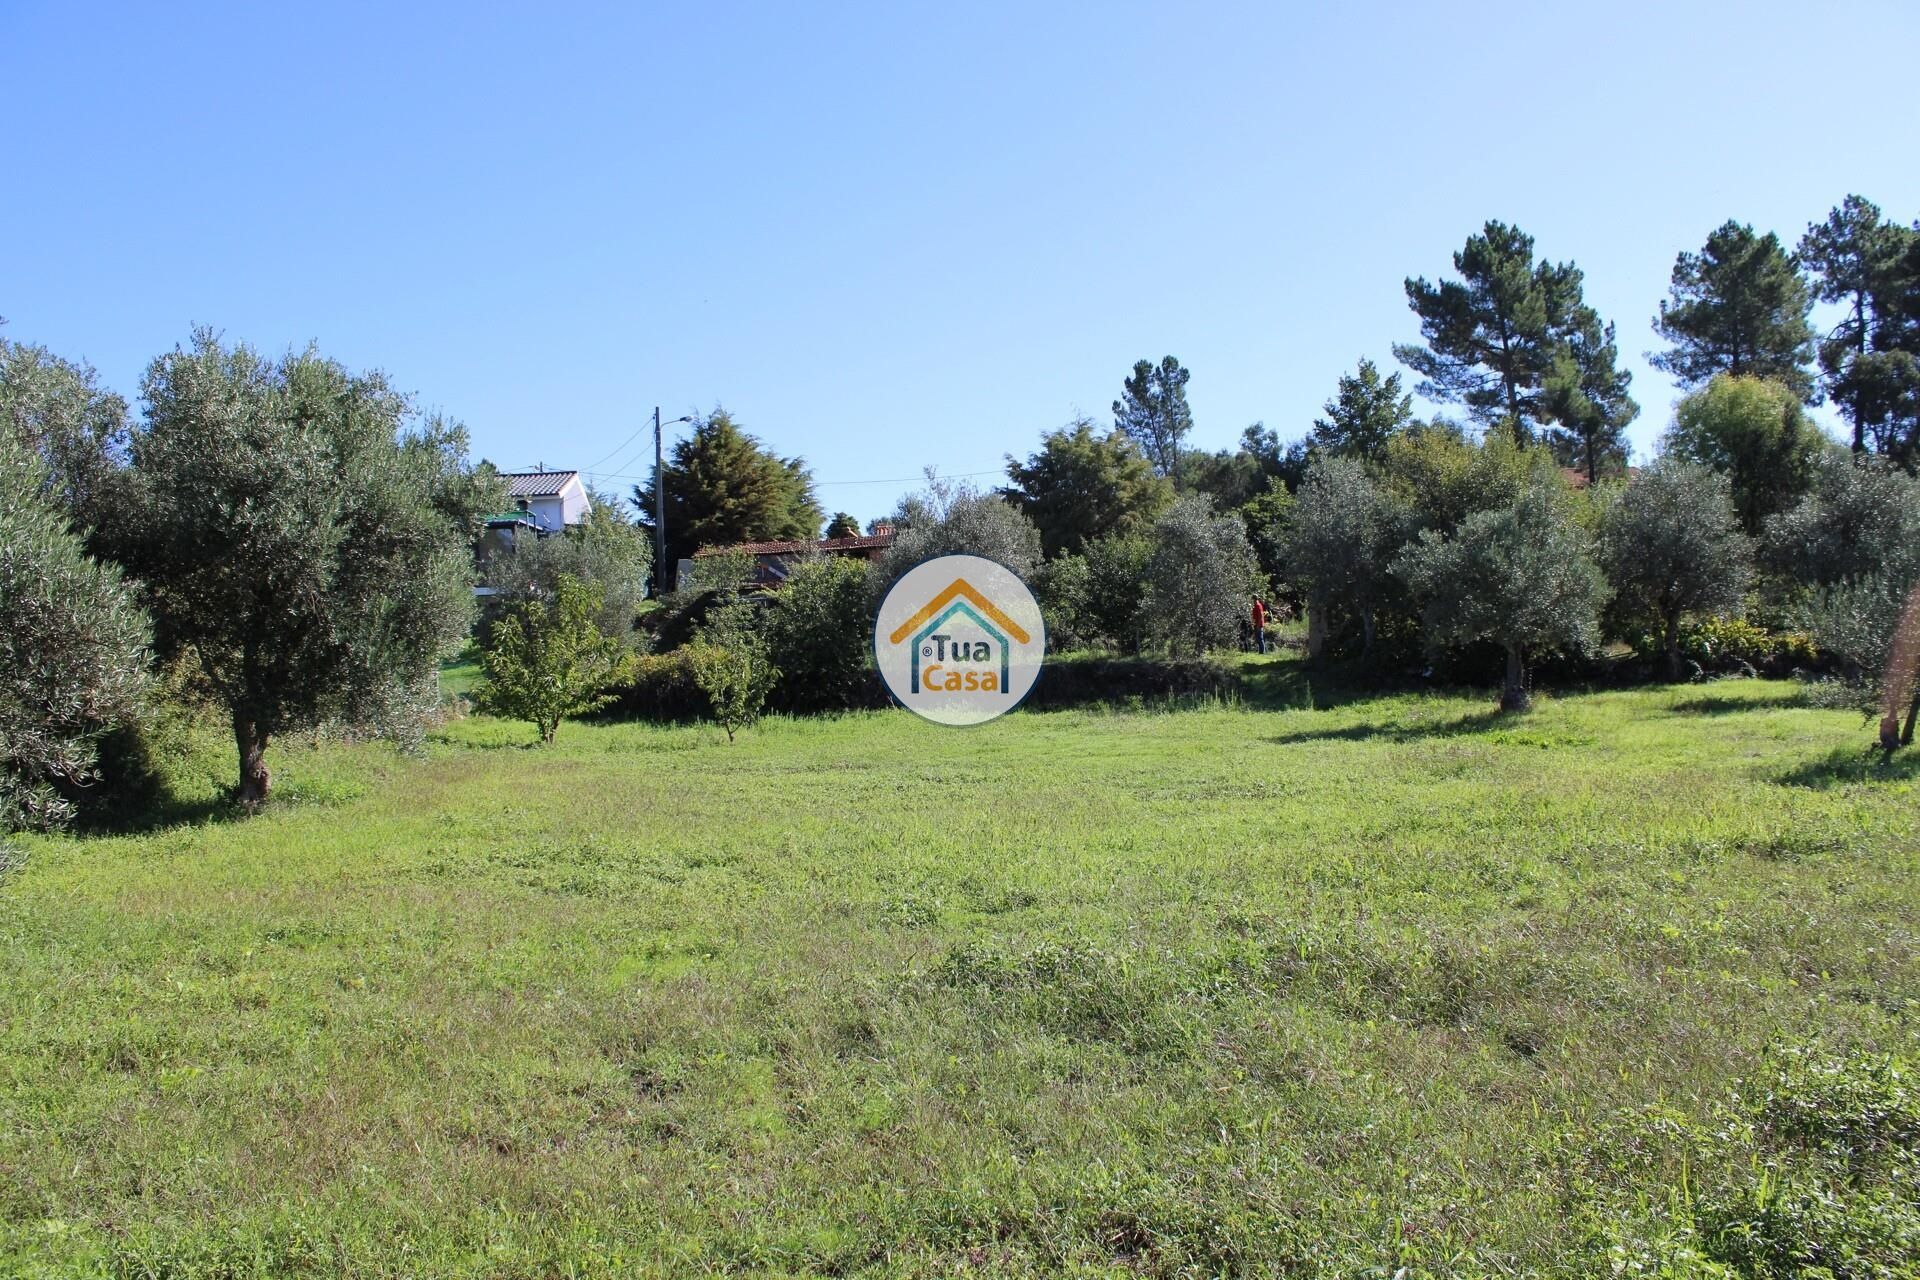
1845	766
1714	704
1473	722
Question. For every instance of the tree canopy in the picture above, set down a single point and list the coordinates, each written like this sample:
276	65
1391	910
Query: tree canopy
288	537
1152	409
1757	433
1738	306
724	486
1081	485
72	652
1365	412
1490	338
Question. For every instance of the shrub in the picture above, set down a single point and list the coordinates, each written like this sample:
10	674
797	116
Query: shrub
735	679
1064	588
548	663
1115	612
72	650
659	686
820	624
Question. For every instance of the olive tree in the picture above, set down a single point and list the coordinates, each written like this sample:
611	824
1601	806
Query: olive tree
955	519
1521	576
72	652
1201	576
57	410
1671	545
289	535
1339	545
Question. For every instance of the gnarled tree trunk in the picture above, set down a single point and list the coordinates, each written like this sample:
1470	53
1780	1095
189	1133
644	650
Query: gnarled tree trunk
1673	648
254	778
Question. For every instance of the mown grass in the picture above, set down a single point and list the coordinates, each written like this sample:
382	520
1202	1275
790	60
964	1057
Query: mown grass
1385	983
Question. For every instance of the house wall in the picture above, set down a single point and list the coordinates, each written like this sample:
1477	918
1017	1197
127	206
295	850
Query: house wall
569	507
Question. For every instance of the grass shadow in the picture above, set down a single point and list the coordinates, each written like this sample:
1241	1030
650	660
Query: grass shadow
1845	766
1473	722
1720	705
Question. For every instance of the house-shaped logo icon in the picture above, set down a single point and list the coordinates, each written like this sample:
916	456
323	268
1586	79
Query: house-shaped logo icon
959	639
960	599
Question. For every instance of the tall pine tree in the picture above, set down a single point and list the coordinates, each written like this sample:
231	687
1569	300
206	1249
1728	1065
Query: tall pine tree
1491	337
1868	361
1739	306
1152	409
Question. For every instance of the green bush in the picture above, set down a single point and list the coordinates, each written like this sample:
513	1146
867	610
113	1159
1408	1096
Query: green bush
819	628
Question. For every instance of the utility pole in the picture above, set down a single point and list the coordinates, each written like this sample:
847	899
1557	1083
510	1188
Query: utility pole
659	510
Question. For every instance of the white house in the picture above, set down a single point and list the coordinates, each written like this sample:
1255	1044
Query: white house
555	499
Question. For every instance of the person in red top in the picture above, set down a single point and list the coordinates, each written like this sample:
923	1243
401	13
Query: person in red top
1260	624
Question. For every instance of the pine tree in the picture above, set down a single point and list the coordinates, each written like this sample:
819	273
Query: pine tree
1739	306
1586	395
1152	409
1491	337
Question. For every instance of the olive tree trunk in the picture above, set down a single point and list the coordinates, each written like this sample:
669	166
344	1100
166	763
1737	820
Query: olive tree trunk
1513	694
1674	667
254	778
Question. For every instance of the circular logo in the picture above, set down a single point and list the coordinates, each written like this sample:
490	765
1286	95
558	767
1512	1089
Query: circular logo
959	640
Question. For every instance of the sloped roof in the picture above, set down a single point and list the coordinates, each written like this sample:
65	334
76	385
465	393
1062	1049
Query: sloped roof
538	484
864	542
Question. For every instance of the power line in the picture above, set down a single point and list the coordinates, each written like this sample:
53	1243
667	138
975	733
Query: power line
821	484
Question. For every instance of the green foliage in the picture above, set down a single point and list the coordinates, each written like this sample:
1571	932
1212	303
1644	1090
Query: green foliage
843	526
1739	307
736	679
1115	611
1365	413
1858	520
72	650
1758	434
820	624
286	535
1492	337
1201	576
1868	361
605	550
1080	486
1519	576
57	410
724	486
1440	477
1809	1170
1586	395
1064	588
551	661
1339	546
1671	546
1727	644
1152	411
956	519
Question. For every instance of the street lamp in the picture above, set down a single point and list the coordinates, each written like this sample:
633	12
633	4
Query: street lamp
660	504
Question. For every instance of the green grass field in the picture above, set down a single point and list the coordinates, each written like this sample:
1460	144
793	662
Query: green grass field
1262	988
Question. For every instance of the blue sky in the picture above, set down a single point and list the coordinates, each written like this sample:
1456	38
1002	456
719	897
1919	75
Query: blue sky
896	235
